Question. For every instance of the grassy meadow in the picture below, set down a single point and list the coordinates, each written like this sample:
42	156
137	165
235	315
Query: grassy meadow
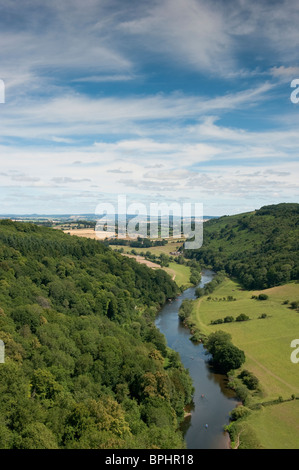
171	246
266	343
276	427
179	272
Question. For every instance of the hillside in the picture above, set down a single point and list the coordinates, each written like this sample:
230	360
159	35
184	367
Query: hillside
259	248
85	367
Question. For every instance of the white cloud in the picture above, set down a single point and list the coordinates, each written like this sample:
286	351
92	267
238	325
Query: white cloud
104	78
68	115
173	142
285	73
190	32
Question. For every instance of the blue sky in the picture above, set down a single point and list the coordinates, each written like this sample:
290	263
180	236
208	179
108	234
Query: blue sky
167	100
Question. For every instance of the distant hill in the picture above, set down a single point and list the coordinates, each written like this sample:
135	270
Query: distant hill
259	248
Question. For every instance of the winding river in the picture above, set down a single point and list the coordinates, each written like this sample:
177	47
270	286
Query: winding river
212	401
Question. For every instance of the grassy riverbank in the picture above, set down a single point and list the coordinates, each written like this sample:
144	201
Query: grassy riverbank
265	338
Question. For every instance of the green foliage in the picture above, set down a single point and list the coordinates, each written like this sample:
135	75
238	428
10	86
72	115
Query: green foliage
84	362
260	248
243	436
294	304
263	315
217	339
226	356
185	309
242	317
228	319
239	412
262	297
195	276
210	286
249	379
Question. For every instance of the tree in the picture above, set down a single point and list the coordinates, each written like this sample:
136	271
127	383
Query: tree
36	436
228	357
216	340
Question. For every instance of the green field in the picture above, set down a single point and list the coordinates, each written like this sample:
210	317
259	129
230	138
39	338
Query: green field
172	245
266	343
276	427
181	273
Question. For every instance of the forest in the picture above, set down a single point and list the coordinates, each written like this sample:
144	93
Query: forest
258	248
85	367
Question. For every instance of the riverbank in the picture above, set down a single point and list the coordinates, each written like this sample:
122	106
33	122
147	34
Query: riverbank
265	338
212	401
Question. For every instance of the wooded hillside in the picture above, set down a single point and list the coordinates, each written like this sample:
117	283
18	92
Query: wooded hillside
259	248
85	367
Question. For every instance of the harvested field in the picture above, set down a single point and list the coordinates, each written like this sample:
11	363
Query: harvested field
90	233
142	260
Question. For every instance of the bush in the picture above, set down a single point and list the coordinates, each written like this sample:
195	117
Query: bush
242	392
295	304
263	315
197	337
249	379
228	319
263	297
217	322
199	292
242	317
239	413
185	309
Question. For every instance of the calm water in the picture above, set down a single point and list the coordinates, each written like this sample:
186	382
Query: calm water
212	400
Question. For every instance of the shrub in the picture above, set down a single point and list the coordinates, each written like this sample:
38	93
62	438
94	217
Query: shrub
199	292
185	309
217	322
249	379
263	315
228	319
242	317
263	297
239	413
242	392
295	304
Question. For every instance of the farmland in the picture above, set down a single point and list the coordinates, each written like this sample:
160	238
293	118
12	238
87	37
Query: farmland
179	273
265	338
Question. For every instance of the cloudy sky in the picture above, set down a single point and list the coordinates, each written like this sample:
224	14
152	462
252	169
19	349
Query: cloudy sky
158	100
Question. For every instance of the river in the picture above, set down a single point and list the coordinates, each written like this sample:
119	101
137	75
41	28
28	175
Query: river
212	401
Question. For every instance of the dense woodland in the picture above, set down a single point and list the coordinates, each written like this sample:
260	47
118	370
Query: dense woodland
259	248
85	367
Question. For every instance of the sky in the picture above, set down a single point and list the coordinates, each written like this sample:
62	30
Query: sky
157	100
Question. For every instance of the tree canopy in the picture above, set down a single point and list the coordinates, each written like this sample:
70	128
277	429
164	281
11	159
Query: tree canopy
85	366
259	248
